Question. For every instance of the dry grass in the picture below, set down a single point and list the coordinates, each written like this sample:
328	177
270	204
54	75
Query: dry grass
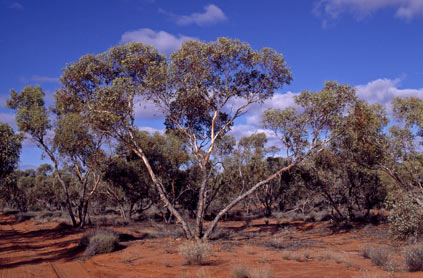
414	258
244	271
380	256
100	242
195	252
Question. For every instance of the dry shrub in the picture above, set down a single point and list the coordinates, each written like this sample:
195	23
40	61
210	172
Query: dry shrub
195	252
100	242
243	271
380	257
201	273
367	275
219	234
414	258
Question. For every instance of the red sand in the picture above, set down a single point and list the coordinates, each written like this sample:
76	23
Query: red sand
49	250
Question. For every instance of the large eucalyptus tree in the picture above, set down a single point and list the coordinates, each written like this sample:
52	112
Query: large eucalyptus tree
201	90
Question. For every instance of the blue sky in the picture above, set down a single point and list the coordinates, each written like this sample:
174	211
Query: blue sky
375	45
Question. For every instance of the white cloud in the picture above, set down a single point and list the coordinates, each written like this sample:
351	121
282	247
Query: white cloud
255	111
383	91
151	130
16	6
212	14
3	99
161	40
8	118
404	9
39	79
44	79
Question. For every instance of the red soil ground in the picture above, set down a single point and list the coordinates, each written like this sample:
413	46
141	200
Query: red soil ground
29	249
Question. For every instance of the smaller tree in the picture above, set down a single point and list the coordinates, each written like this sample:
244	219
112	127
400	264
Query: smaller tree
10	149
32	119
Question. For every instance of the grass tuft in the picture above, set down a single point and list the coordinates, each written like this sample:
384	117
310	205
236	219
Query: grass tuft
100	242
414	258
195	252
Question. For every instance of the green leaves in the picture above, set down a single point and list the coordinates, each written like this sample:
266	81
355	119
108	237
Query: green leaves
319	117
410	110
103	87
10	149
205	76
31	115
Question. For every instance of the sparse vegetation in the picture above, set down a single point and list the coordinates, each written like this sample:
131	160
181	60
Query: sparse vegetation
195	252
380	256
243	271
414	257
100	242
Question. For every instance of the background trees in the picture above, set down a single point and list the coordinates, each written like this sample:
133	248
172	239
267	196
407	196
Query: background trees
72	139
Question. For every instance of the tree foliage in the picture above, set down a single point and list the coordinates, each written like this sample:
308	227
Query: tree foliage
10	149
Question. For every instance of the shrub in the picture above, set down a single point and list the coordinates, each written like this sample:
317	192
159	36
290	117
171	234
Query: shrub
240	271
414	258
100	242
243	271
365	251
405	218
195	252
379	256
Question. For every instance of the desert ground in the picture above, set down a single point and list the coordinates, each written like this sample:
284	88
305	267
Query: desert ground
267	247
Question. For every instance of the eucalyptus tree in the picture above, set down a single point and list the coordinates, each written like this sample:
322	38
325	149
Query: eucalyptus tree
10	149
404	159
81	148
32	118
345	173
70	140
210	86
194	93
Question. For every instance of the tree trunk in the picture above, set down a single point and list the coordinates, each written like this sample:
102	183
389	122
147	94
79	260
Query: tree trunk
160	188
213	224
202	197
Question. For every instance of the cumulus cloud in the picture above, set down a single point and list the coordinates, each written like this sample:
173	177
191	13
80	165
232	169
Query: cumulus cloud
161	40
212	14
404	9
383	91
255	111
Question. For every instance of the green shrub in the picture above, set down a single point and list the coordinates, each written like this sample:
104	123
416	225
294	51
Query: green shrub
414	258
195	252
405	218
100	242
